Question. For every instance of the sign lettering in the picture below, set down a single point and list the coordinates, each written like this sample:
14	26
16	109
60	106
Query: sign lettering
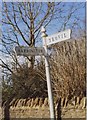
26	51
58	37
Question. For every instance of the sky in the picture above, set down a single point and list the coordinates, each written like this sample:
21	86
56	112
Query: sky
55	26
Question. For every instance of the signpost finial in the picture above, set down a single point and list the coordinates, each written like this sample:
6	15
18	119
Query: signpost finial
43	31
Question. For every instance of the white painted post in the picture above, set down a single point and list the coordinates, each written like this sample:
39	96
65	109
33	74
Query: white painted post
51	104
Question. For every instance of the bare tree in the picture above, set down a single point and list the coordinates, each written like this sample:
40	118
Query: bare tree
22	22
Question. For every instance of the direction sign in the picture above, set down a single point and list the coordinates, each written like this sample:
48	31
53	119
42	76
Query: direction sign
58	37
26	51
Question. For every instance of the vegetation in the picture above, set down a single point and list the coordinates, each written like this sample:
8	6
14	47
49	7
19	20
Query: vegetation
68	69
68	74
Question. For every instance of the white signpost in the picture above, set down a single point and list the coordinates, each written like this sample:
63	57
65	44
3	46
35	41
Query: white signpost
48	41
35	51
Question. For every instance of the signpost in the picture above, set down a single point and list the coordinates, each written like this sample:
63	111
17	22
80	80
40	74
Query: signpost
50	96
35	51
48	41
